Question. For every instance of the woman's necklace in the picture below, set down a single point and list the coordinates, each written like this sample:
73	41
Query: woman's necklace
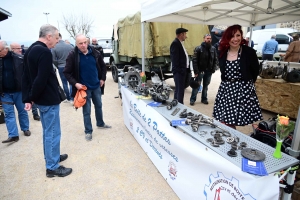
233	54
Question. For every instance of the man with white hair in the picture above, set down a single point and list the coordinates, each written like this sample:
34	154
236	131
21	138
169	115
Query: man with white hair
11	69
40	86
270	48
85	66
16	48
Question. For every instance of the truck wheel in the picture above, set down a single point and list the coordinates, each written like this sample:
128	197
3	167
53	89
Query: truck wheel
114	72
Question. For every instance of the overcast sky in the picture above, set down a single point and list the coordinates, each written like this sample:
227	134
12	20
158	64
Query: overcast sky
27	16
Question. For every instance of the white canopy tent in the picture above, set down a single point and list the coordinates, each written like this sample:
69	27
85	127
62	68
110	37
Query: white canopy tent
221	12
247	13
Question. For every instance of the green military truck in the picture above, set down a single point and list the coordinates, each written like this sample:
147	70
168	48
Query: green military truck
127	44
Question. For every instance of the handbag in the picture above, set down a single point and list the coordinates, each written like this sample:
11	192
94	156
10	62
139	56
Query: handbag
62	94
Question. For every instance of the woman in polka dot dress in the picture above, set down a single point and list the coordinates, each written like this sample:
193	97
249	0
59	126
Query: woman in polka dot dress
236	103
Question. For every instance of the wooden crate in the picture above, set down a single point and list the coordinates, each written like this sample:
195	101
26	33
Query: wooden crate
278	96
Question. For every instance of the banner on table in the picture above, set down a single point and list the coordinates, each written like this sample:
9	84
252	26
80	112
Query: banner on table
192	170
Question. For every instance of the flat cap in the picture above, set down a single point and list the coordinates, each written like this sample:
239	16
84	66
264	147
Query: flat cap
181	30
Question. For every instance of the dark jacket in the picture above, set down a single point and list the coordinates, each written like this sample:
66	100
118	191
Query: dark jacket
249	64
204	59
71	70
39	81
17	61
178	57
98	48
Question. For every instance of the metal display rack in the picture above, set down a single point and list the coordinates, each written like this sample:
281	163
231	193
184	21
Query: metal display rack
272	164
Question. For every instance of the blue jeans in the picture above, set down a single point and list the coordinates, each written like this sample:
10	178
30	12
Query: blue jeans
51	135
67	87
95	95
206	76
34	110
9	113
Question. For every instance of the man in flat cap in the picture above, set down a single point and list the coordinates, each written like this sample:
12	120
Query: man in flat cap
180	64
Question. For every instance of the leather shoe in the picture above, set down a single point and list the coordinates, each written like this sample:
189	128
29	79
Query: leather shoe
11	139
205	102
63	157
60	172
27	133
192	103
36	117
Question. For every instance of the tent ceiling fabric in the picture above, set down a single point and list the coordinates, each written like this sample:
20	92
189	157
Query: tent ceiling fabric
221	12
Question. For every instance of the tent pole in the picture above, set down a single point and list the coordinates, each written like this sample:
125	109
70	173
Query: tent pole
250	39
143	46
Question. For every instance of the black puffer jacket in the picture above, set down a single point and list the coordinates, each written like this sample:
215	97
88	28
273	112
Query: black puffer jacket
17	62
205	60
71	70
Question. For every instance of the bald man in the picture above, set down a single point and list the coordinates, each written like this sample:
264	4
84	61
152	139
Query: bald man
16	48
85	66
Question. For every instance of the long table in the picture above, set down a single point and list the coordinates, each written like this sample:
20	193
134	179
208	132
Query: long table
192	167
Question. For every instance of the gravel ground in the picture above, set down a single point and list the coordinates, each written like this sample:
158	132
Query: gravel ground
111	166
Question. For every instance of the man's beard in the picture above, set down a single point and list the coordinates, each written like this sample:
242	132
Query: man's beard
208	45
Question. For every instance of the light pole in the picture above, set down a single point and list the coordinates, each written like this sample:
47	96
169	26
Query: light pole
47	16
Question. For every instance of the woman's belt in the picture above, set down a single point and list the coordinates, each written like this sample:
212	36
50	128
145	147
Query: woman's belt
232	80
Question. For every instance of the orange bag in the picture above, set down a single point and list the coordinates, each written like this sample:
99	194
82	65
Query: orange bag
80	98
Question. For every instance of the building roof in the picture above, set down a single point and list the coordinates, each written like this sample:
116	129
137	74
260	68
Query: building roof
4	14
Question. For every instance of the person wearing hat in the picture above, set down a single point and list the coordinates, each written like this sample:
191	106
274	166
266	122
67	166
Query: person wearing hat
180	64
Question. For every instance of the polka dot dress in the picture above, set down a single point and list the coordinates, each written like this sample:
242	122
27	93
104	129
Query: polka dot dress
236	102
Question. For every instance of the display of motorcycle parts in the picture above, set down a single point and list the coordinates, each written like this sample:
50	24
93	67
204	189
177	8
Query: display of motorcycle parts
172	104
253	154
132	78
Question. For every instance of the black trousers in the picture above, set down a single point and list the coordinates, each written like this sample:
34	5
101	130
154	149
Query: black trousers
181	82
267	57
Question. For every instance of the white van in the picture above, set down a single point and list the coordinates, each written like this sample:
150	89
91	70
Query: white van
259	37
107	49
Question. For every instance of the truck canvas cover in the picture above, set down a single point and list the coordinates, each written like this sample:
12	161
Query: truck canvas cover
158	37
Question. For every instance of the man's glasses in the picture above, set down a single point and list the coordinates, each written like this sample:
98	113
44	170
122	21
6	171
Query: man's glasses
2	49
207	35
17	48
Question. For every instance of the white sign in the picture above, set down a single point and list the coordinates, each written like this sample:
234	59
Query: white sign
192	170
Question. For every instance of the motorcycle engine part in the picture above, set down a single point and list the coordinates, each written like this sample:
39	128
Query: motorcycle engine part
174	102
253	154
183	115
214	132
236	139
293	76
217	135
243	144
234	146
190	114
230	140
188	121
209	140
195	127
214	144
169	106
268	125
175	111
219	141
232	153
